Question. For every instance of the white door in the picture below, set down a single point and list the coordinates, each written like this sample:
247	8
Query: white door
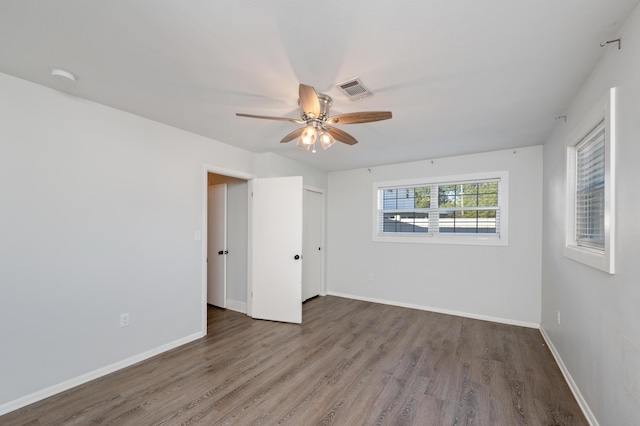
275	235
217	245
312	213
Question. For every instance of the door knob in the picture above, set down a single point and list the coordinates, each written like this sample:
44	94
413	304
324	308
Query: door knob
296	257
220	252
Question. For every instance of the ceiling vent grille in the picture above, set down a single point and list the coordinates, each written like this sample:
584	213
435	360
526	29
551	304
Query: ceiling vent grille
354	89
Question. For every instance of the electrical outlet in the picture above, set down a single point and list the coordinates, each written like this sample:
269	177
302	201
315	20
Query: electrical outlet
558	317
370	277
124	320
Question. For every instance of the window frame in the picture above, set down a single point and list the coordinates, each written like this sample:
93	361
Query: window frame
603	114
500	239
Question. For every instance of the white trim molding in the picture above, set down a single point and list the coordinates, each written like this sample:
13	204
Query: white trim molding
586	410
438	310
237	306
95	374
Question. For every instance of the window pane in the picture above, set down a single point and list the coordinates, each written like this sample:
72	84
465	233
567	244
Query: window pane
390	199
468	195
469	200
488	194
487	222
590	221
447	222
447	196
406	198
468	222
410	222
422	197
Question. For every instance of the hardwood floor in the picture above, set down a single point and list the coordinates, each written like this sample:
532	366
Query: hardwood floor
350	363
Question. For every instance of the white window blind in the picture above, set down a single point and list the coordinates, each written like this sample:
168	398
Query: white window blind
590	183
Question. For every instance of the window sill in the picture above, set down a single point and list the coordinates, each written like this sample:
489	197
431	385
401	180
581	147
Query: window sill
469	240
590	257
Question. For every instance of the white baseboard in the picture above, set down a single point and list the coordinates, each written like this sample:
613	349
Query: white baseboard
591	418
76	381
438	310
237	306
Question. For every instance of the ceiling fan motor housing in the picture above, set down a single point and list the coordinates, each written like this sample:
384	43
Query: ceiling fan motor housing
325	108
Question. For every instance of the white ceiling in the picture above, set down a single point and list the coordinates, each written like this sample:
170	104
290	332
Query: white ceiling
459	76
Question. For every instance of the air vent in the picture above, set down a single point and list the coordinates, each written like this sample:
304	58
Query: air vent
354	89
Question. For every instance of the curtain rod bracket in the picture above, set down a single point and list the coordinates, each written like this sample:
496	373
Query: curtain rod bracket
618	40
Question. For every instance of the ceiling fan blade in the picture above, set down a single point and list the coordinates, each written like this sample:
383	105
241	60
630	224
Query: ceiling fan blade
341	135
293	135
309	100
293	120
359	117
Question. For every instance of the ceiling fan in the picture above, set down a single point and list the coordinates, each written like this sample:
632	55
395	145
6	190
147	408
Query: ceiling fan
314	113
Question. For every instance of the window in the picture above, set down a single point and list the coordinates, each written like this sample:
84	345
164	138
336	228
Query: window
467	209
589	223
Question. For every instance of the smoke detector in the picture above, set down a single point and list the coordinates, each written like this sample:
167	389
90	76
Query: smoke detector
63	76
354	89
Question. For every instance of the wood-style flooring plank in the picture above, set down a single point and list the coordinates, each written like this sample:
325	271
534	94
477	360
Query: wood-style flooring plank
349	363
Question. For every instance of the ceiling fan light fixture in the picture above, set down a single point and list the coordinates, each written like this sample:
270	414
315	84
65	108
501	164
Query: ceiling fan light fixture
309	136
302	145
326	140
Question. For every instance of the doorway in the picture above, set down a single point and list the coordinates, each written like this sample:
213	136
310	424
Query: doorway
231	265
238	254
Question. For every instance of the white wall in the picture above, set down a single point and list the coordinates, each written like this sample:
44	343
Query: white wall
499	283
599	312
98	210
274	165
